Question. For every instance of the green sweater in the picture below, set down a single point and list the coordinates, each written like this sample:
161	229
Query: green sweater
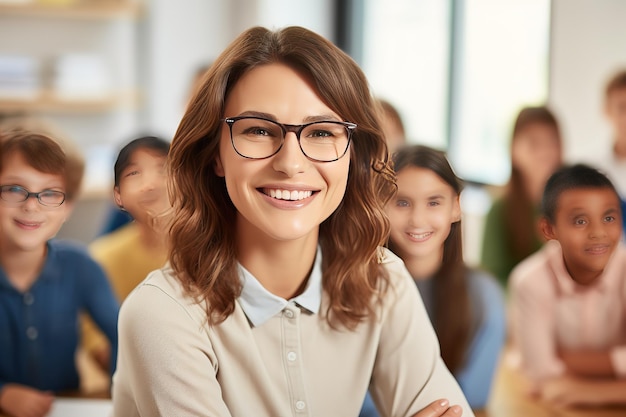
497	256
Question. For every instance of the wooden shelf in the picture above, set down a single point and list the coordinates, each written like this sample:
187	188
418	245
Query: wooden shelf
80	9
48	102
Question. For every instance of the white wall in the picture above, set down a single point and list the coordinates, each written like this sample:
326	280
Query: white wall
179	36
588	44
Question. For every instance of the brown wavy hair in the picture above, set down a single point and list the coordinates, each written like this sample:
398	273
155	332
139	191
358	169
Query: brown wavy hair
452	315
45	154
520	211
203	251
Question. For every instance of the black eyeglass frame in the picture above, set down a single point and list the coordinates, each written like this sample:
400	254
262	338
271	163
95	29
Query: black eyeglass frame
29	194
297	129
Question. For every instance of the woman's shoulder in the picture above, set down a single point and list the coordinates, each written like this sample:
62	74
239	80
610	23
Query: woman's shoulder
161	291
399	277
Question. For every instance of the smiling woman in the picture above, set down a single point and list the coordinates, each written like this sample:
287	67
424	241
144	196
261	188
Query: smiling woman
277	277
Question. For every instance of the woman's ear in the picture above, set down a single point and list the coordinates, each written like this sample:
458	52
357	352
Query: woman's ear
218	167
547	229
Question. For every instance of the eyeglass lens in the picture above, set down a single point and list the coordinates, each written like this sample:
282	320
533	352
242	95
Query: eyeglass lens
259	138
17	194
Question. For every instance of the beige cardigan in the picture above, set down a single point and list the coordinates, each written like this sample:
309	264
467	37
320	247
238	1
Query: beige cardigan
172	364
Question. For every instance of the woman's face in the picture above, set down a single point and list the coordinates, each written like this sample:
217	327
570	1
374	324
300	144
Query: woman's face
286	196
421	214
536	150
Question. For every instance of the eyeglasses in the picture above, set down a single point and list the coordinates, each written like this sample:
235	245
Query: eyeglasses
16	194
259	138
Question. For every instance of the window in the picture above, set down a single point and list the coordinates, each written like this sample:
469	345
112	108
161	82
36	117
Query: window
458	71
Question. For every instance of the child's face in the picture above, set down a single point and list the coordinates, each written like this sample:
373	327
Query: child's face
616	112
142	186
28	225
588	225
310	191
536	150
421	213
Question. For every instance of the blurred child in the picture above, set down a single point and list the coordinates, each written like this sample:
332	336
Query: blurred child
569	299
131	252
425	221
613	163
392	125
511	226
44	283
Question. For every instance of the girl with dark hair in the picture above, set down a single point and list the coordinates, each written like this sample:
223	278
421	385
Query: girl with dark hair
466	306
511	228
279	299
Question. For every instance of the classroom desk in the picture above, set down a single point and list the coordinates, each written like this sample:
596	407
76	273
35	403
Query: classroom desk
509	399
79	407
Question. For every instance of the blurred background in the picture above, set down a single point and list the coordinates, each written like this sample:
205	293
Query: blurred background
458	71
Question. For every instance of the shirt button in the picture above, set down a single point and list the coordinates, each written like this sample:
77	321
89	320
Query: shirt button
28	299
300	405
291	356
289	314
32	333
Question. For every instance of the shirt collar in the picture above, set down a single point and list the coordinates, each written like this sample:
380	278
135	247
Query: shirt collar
260	305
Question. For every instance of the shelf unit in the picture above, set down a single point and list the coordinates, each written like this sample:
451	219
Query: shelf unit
73	10
78	10
48	102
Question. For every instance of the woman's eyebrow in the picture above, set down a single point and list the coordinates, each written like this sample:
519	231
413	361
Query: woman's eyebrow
308	119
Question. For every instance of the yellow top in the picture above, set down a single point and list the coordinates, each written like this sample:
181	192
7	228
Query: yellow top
127	261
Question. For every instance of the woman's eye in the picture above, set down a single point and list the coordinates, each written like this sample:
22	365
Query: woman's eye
131	173
321	134
402	203
258	131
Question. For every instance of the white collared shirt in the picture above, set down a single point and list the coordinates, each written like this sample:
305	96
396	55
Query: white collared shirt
260	305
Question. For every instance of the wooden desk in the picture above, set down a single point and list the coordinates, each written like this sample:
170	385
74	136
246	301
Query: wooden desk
509	399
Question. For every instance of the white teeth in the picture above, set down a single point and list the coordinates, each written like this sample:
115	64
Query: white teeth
289	195
419	235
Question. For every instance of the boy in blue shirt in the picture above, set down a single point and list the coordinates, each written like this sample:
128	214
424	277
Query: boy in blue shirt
44	283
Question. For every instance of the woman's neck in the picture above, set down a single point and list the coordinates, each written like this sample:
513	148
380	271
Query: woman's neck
23	267
281	267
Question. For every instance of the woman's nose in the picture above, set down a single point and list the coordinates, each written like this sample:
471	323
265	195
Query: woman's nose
290	159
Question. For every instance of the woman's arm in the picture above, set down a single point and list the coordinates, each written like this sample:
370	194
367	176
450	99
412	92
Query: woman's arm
166	365
440	408
409	373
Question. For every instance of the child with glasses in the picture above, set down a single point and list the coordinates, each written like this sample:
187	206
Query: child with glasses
569	299
279	299
44	283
